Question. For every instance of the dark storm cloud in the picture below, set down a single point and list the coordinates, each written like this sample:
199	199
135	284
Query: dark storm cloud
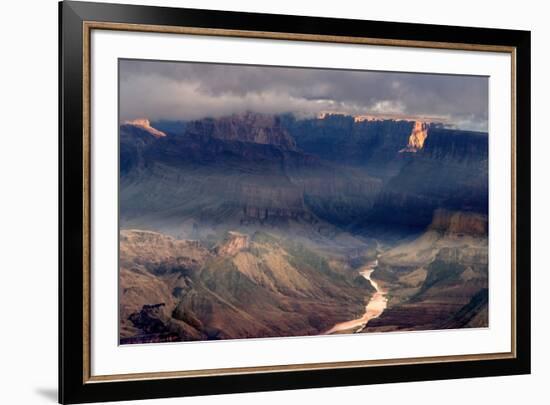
171	90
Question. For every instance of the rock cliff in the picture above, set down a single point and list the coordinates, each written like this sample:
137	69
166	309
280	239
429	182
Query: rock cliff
232	244
459	223
417	138
145	124
248	127
243	169
260	169
450	171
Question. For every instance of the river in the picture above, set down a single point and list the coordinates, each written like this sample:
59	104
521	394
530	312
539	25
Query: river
374	308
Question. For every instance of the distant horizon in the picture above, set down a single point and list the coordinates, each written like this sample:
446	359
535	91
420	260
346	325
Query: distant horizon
187	91
432	120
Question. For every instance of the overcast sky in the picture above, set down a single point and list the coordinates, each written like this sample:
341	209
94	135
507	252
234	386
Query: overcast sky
185	91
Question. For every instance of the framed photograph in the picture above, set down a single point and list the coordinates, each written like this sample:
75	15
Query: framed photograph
257	202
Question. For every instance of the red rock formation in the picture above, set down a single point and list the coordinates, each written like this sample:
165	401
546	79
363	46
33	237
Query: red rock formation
145	124
418	137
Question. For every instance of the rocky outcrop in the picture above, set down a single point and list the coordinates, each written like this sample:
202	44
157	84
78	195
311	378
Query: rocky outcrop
459	223
248	127
232	244
417	138
145	124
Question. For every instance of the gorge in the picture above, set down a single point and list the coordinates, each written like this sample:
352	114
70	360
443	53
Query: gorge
257	225
374	308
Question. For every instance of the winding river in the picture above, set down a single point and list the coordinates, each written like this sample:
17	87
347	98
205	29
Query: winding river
374	308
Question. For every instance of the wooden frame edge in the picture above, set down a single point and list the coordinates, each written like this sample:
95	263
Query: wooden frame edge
296	367
86	203
87	26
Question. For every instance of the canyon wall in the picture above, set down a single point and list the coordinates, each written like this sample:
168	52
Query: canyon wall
256	168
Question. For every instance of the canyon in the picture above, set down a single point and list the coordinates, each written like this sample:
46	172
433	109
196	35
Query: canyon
258	225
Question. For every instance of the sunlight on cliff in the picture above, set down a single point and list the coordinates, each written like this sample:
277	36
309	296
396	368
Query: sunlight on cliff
417	138
145	124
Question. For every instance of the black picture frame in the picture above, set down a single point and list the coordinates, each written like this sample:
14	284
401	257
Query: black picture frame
73	385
